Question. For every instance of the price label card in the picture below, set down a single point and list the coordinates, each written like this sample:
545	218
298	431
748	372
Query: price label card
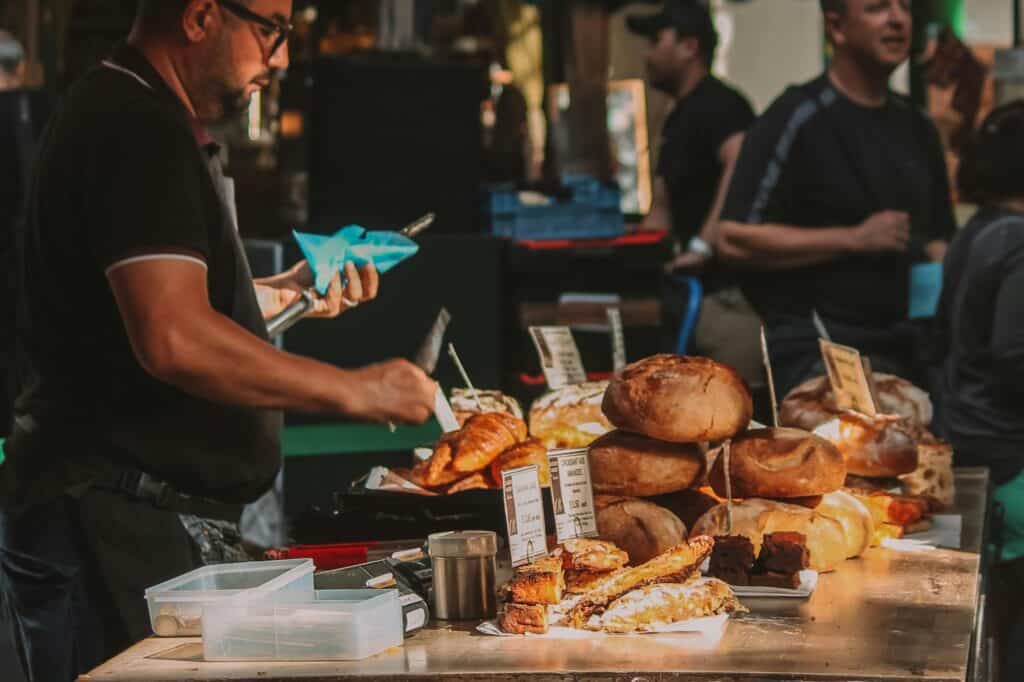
618	339
559	357
572	494
850	383
524	514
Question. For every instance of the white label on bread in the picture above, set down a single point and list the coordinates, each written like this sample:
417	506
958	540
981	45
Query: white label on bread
559	356
572	494
850	384
524	514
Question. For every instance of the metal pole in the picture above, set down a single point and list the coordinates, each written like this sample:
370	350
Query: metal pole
1016	24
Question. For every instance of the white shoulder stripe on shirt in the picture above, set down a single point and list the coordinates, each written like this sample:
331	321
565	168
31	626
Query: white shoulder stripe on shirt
155	256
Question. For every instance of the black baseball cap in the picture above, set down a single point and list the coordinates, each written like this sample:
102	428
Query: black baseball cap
690	19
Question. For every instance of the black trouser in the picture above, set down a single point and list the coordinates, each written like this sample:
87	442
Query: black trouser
73	574
796	355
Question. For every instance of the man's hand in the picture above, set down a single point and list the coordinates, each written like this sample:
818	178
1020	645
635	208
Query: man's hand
687	261
278	292
883	231
396	391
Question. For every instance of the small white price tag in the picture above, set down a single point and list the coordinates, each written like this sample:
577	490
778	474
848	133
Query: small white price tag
524	514
559	357
573	494
618	339
850	384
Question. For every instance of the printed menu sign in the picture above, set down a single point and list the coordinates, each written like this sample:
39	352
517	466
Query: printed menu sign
524	514
559	357
618	339
850	383
572	494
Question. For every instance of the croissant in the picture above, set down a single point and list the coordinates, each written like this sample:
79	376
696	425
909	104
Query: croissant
482	439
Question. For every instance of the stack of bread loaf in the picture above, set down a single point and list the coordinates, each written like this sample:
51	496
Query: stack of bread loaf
899	469
666	409
788	480
467	403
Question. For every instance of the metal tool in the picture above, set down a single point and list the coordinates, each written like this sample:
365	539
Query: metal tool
298	309
430	350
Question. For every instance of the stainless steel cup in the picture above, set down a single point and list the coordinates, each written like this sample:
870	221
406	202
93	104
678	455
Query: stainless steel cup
464	574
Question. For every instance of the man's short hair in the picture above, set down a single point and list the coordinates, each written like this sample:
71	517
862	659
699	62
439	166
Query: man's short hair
833	6
689	18
160	15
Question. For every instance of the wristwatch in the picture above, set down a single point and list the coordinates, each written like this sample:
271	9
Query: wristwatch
699	246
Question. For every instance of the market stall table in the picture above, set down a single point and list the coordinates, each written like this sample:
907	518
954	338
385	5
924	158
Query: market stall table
891	615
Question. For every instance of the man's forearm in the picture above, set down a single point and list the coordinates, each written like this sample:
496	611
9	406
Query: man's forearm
780	247
212	357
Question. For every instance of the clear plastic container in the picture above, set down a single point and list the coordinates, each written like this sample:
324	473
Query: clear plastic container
340	625
176	606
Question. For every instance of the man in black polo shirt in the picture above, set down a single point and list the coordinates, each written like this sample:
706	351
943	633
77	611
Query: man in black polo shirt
151	388
841	186
701	140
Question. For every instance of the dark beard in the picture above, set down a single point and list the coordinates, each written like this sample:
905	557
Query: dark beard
234	103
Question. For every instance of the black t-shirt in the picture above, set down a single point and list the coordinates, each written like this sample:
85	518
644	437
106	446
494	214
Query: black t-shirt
815	159
982	318
121	175
689	161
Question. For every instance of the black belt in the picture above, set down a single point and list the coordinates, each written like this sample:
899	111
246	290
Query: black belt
162	495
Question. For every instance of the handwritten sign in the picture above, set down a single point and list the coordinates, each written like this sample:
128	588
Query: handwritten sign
524	514
573	494
850	383
559	357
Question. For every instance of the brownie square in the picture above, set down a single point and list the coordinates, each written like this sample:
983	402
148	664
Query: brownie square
732	576
732	559
783	552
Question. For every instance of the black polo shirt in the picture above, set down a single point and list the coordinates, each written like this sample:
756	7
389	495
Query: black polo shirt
690	161
816	159
121	175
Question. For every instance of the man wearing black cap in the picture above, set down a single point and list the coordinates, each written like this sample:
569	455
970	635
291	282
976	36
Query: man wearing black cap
700	143
841	186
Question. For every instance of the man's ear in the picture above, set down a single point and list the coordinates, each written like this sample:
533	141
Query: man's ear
835	28
198	19
689	47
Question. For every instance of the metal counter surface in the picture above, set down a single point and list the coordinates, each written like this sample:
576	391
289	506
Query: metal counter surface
892	616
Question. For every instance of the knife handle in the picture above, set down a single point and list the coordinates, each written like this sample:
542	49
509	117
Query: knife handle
287	318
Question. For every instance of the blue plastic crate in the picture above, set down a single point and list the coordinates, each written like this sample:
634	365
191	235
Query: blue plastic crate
594	212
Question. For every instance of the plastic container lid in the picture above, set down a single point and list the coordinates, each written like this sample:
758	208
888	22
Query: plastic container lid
463	544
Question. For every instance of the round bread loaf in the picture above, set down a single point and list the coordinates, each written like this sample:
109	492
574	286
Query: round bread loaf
858	525
570	417
623	463
753	518
644	530
780	463
466	403
679	399
811	404
873	447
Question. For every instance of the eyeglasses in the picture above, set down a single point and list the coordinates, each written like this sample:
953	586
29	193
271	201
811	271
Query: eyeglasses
270	28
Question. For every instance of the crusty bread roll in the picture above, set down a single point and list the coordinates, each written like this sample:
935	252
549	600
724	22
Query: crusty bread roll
811	404
679	399
858	525
933	478
755	517
570	417
464	404
874	447
530	451
623	463
780	463
644	530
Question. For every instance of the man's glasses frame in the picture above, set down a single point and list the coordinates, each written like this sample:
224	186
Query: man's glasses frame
282	31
